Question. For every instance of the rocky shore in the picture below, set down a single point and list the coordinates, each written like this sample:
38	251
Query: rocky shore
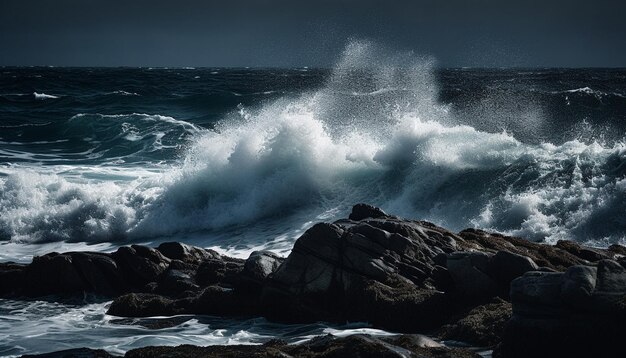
517	297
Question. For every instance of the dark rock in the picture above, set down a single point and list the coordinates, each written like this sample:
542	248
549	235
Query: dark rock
377	270
186	253
536	289
326	346
52	274
175	282
611	277
142	305
222	270
256	269
585	253
542	254
365	211
99	272
567	314
140	264
578	284
11	278
481	326
261	264
617	249
220	301
507	266
469	274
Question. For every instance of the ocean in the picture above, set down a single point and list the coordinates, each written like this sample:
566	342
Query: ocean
241	159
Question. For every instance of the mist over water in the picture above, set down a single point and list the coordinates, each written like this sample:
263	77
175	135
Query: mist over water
538	154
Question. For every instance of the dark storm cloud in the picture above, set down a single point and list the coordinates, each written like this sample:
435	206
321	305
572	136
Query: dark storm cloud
309	33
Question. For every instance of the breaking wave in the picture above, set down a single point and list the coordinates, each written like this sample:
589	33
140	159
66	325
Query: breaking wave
375	133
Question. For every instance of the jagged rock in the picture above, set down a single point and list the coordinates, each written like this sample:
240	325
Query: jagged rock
567	314
542	254
365	211
186	253
378	270
222	270
142	264
396	274
585	253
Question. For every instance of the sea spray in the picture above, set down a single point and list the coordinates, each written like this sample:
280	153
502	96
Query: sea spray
376	130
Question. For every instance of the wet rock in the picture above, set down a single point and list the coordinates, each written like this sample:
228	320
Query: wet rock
142	264
186	253
325	346
99	272
365	211
176	282
142	305
376	270
52	274
258	266
222	270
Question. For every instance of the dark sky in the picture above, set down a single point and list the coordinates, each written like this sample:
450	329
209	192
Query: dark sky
483	33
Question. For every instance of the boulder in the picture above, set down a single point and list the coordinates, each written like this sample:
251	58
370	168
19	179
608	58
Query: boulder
258	266
142	305
577	285
567	314
506	266
141	264
186	253
380	270
365	211
52	274
469	272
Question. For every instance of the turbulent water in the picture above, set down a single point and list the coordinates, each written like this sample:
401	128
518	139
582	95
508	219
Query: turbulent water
240	159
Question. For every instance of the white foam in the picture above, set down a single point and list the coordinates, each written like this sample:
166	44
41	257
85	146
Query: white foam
44	96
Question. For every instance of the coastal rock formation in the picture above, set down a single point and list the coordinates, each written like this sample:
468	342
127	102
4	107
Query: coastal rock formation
325	346
395	274
171	269
561	314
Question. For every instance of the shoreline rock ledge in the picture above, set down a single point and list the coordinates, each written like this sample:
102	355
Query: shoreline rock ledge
517	297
